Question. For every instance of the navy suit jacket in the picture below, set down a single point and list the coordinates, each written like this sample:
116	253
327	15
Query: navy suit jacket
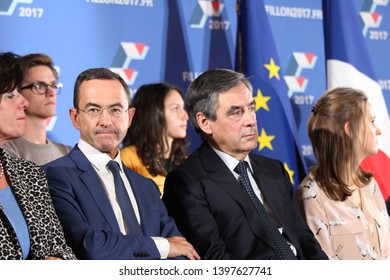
87	217
212	211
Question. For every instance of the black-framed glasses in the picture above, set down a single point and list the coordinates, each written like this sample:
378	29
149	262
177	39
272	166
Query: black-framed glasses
41	87
96	112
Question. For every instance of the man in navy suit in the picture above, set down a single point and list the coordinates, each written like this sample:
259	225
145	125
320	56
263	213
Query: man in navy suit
204	194
82	184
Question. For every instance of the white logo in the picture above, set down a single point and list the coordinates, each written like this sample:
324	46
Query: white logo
8	11
370	18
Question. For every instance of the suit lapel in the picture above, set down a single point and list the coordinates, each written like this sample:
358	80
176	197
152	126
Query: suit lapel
139	197
220	173
222	176
267	187
147	201
91	181
271	191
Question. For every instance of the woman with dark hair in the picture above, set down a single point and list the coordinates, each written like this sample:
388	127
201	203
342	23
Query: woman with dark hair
156	141
40	87
29	226
342	203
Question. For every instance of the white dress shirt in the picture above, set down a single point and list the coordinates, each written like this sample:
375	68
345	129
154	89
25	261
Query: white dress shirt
99	162
231	163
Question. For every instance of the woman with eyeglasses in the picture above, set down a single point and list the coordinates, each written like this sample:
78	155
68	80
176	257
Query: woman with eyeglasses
40	87
29	226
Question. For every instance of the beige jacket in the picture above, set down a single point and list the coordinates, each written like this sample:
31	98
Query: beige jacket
344	230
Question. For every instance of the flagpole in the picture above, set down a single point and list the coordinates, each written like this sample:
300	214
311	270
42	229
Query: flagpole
239	66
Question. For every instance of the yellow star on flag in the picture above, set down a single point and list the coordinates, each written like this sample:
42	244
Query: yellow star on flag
265	140
273	69
290	172
261	100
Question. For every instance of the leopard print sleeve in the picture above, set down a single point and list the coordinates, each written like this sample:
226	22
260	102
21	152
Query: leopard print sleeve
31	190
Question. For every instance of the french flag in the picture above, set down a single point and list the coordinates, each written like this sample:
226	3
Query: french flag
348	64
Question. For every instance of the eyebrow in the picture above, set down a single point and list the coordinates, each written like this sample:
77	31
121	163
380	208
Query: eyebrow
173	104
234	108
39	81
91	104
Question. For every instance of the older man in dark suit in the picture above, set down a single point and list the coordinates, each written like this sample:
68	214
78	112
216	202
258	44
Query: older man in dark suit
229	203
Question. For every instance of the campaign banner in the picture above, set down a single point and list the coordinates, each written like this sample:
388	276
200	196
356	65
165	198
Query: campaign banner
148	41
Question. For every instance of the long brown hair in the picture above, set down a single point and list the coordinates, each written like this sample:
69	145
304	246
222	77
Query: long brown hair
147	130
335	150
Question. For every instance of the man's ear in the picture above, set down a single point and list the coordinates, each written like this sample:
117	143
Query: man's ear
74	117
131	112
204	123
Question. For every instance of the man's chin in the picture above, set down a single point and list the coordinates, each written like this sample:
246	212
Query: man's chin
107	146
251	145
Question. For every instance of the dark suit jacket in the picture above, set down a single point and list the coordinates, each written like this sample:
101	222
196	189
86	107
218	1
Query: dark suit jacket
212	211
86	214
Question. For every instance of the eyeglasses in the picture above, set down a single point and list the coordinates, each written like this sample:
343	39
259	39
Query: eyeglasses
96	112
41	87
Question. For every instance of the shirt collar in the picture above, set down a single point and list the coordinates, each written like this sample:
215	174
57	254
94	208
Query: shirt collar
98	159
230	161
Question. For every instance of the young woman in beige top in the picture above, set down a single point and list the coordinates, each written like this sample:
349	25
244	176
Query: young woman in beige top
341	203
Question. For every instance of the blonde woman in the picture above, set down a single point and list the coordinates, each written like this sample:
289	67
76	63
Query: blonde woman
342	204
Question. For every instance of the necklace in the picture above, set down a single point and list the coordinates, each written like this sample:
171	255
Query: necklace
1	171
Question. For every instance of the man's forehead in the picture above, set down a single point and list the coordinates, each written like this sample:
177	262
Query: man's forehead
235	98
103	90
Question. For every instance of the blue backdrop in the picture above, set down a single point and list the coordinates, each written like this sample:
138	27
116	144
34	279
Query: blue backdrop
175	40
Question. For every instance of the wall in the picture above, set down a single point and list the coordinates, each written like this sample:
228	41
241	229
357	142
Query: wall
154	40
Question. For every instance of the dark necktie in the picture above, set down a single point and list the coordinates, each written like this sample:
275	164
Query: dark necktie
283	250
122	196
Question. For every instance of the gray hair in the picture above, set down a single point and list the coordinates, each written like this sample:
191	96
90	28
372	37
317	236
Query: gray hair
202	94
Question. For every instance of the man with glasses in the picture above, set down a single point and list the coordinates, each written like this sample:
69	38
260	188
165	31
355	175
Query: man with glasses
40	87
107	210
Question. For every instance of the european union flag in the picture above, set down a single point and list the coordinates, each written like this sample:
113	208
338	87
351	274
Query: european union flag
259	61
